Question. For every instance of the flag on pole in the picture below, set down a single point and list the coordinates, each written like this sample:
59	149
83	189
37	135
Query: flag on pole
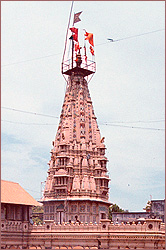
76	17
91	50
85	54
77	47
89	37
75	35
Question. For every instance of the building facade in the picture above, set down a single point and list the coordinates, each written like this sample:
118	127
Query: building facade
129	217
157	209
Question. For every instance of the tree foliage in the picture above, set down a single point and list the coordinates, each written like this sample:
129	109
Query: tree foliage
114	208
37	214
37	209
148	206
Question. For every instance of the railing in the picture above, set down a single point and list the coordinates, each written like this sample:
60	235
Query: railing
14	226
75	227
89	65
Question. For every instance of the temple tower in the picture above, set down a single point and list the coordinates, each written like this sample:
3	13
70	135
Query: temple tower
77	184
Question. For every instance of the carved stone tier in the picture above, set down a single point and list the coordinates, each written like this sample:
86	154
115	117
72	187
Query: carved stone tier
77	182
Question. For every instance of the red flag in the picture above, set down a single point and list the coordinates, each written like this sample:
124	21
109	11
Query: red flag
84	50
75	35
89	37
92	50
76	17
74	30
77	47
85	54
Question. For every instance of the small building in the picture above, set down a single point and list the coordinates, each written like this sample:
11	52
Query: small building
119	217
16	203
158	209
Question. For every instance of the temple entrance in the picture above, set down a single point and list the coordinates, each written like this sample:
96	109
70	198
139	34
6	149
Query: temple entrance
103	216
60	214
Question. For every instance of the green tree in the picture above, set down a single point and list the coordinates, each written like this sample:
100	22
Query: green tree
114	208
37	209
37	213
148	206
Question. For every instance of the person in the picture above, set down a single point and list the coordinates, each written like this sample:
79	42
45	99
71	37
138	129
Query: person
76	217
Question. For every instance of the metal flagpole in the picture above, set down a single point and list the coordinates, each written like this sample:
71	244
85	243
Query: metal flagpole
67	31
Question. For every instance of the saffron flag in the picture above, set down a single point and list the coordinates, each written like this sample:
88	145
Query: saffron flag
92	50
77	47
75	35
89	37
76	17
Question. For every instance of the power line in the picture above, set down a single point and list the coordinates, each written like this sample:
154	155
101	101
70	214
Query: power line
113	125
143	34
26	123
163	120
111	40
29	60
51	116
28	112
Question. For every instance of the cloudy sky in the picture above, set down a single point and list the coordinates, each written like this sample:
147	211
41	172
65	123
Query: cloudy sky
127	91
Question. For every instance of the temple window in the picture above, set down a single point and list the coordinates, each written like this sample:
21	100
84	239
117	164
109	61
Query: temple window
46	208
82	208
47	217
51	209
94	209
51	217
94	218
73	208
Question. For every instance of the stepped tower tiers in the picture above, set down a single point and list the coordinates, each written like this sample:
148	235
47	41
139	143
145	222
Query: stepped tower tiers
76	188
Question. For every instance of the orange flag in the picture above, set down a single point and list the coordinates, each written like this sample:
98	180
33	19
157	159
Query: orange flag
92	50
77	47
89	37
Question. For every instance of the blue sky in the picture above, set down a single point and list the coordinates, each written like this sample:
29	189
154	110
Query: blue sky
127	90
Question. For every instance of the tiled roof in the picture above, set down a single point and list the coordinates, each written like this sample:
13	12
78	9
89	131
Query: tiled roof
13	193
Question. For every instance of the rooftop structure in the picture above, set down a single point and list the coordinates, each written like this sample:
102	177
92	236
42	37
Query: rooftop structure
13	193
129	217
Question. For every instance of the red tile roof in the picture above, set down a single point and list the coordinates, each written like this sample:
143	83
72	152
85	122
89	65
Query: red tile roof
13	193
